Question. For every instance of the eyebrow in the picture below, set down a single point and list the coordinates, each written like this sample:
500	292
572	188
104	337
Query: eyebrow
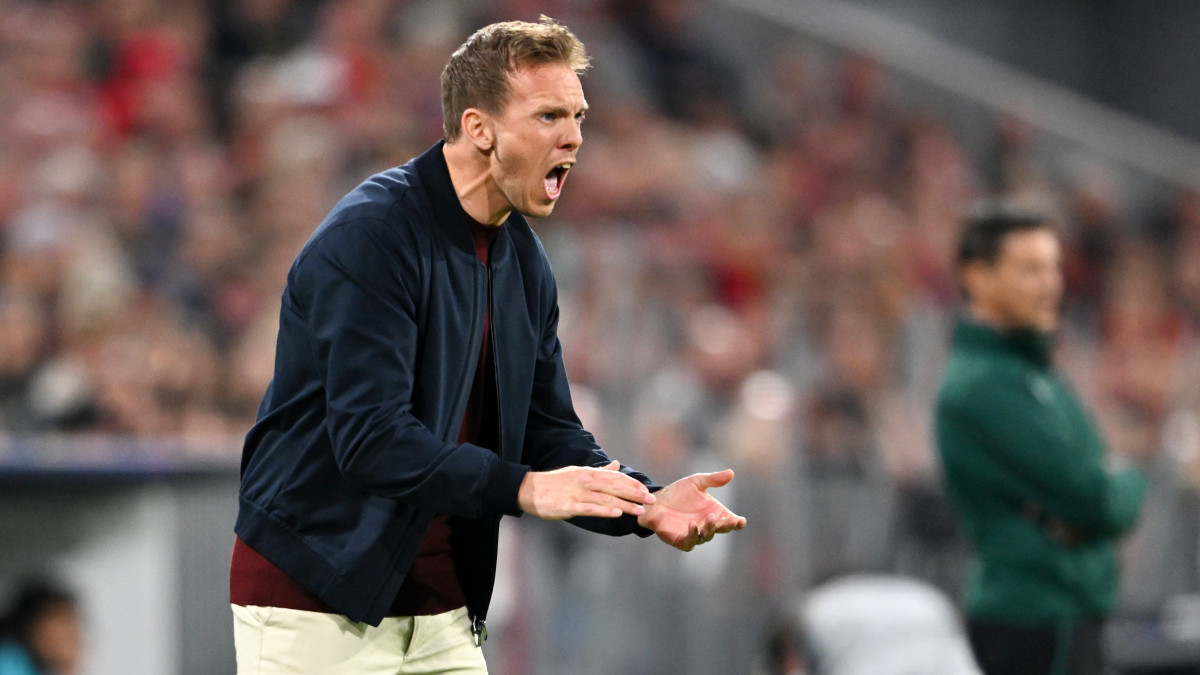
563	110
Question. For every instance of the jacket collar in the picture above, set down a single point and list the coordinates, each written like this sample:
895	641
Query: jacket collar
1030	345
448	212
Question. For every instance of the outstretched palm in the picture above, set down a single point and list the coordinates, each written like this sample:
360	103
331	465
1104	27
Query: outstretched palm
685	515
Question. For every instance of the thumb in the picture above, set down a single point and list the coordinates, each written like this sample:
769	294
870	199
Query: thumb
712	480
611	466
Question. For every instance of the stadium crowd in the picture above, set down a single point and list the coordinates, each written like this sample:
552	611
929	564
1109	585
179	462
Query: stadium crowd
754	268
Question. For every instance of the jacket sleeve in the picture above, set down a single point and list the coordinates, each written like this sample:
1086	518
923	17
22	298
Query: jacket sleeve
1017	446
554	436
355	288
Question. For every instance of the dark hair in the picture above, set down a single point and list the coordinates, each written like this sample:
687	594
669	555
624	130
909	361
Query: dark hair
477	74
32	597
986	226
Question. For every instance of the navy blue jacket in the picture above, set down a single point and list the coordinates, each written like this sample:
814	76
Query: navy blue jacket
355	450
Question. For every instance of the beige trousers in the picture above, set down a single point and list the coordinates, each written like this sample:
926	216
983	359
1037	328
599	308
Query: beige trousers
273	641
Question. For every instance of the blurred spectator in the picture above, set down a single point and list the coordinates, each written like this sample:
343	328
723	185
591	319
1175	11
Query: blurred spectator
785	649
41	631
1010	166
24	331
1092	241
848	488
686	77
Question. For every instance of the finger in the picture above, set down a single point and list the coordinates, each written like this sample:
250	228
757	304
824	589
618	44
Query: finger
594	510
730	523
618	485
684	540
710	528
719	478
612	503
644	494
714	479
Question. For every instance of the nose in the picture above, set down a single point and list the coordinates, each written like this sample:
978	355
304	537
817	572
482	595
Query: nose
573	138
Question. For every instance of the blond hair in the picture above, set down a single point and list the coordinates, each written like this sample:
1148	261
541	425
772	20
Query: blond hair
477	74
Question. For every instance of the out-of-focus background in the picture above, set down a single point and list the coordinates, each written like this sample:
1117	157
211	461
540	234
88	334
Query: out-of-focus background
753	259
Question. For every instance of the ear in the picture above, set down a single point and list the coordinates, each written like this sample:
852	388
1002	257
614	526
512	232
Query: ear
974	278
479	129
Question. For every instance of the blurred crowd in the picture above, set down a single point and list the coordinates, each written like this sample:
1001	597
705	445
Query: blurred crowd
754	263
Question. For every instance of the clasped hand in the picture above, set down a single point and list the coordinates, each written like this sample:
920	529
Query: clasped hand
682	514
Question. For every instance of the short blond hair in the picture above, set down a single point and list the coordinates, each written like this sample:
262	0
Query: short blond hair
476	76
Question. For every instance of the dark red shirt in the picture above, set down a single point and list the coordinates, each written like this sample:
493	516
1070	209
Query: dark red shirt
431	585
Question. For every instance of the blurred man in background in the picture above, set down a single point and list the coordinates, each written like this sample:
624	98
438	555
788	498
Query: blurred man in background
41	632
1024	463
419	393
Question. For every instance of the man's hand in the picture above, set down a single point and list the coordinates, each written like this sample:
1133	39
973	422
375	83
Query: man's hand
582	491
685	515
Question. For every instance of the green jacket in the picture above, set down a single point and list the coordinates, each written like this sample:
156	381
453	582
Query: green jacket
1024	464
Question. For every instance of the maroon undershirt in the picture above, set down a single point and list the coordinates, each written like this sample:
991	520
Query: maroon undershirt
431	585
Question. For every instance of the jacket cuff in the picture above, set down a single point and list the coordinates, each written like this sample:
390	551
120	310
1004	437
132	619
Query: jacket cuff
640	531
501	494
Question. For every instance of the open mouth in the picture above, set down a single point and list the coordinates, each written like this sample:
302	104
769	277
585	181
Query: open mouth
555	179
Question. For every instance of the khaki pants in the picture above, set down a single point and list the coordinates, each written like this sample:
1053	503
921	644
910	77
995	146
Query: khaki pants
272	641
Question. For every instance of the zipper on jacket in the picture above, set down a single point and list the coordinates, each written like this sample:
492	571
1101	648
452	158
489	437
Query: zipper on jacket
479	630
491	308
479	614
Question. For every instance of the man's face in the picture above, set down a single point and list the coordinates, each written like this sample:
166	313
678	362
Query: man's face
1023	288
537	136
58	638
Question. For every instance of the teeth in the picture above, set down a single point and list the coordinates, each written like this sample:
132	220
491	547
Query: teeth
564	165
